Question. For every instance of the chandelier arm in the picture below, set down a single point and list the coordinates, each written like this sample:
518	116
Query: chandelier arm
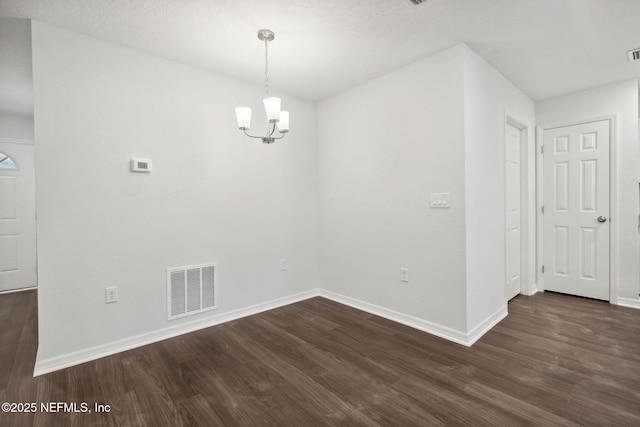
251	136
267	137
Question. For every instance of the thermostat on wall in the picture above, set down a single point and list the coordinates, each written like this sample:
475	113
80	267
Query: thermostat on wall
140	165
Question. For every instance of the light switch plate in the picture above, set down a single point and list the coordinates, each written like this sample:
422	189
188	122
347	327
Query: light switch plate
111	294
440	200
404	275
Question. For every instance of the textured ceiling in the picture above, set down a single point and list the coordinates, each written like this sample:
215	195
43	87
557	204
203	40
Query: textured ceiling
322	47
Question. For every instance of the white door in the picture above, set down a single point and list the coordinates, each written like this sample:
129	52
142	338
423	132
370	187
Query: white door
513	203
576	209
17	217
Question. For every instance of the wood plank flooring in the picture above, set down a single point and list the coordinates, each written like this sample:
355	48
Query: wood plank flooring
554	361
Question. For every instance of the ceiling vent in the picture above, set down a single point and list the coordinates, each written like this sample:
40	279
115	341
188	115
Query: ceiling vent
634	55
417	2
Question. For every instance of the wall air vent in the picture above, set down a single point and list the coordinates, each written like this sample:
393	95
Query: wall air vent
634	55
191	290
417	2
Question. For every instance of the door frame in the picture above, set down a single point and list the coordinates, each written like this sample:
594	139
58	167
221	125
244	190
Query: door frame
613	120
527	201
18	141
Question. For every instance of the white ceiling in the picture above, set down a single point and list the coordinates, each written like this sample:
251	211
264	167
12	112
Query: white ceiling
322	47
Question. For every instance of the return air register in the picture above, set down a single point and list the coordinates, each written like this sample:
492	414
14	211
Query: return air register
191	290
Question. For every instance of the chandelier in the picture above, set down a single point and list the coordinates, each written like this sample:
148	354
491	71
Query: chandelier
275	117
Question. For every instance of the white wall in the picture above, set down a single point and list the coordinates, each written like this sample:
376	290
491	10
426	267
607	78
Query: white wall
13	126
383	147
621	99
488	98
214	195
434	126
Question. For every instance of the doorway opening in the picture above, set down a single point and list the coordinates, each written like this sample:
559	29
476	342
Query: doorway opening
17	168
520	202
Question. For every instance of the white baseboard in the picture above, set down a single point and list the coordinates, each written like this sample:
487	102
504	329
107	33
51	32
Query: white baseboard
629	302
11	291
466	339
85	355
485	326
533	289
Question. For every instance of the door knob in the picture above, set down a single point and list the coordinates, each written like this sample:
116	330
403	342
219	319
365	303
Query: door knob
602	218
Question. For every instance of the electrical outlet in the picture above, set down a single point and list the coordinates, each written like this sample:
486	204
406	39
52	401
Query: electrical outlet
283	264
404	275
111	294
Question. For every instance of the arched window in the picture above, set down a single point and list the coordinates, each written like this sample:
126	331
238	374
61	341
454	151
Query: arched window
7	162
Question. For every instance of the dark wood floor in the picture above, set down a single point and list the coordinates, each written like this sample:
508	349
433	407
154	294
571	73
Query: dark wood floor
555	360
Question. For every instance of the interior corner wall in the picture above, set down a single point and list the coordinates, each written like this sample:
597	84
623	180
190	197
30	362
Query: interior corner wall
620	99
383	148
489	97
213	195
13	126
